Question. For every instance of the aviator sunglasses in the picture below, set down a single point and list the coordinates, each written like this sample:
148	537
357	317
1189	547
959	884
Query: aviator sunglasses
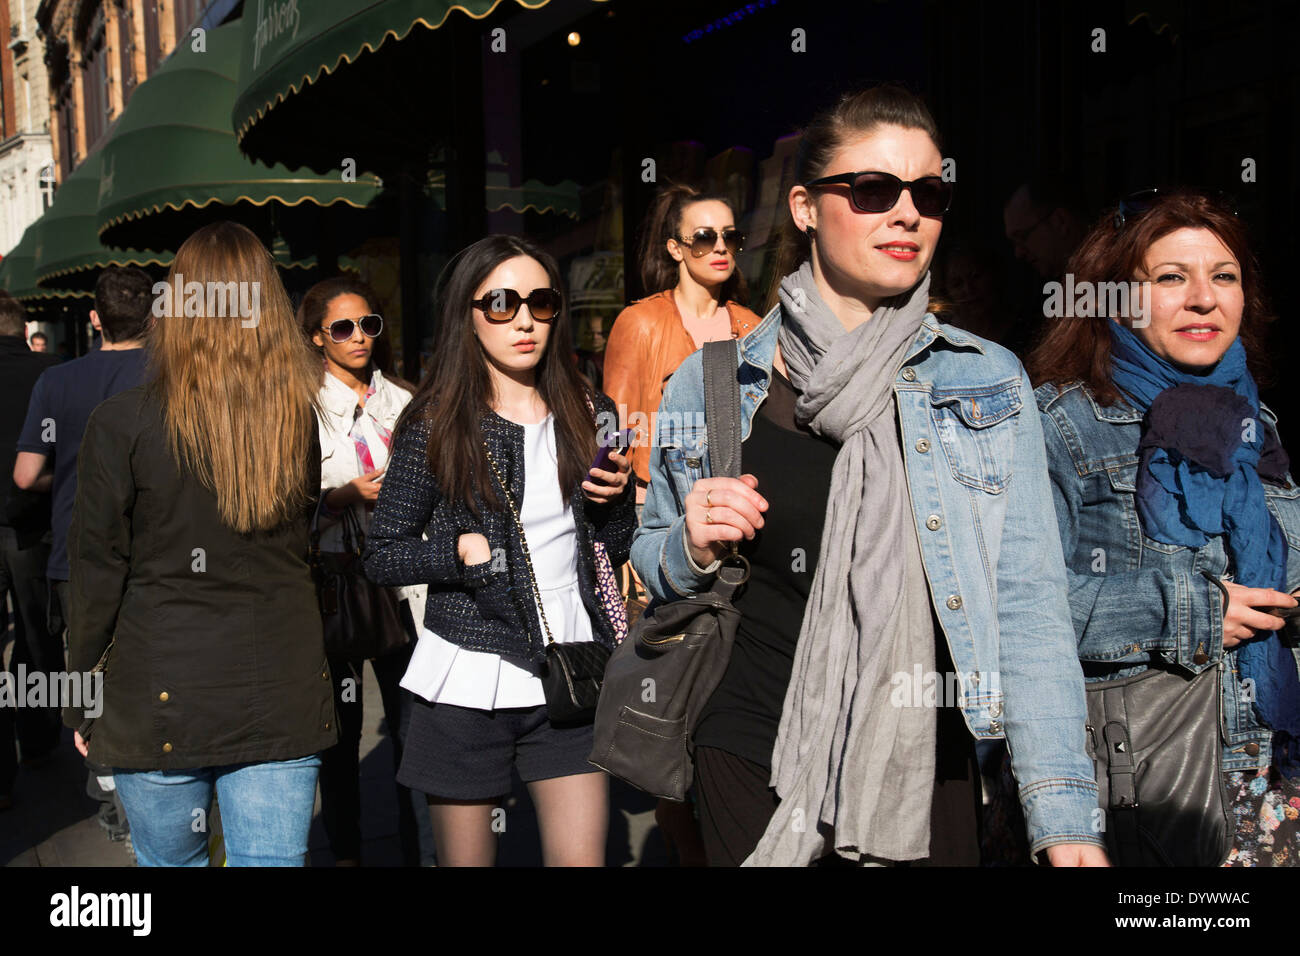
878	192
340	330
502	305
704	240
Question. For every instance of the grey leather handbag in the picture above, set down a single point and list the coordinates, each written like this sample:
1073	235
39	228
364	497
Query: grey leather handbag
1157	747
660	678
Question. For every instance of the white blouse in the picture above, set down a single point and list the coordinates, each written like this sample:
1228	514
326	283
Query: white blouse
442	672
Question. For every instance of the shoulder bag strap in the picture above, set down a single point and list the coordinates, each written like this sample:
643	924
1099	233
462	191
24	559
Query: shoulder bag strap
722	421
722	408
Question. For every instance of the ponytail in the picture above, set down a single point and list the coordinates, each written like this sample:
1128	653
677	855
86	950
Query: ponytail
658	269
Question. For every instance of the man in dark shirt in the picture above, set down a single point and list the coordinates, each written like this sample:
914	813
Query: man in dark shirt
24	551
60	406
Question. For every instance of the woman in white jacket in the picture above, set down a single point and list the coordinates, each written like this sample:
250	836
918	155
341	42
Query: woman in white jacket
358	408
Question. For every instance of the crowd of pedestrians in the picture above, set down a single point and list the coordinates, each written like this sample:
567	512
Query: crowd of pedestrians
1088	558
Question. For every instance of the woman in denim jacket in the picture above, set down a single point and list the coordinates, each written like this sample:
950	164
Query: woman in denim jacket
898	521
1169	564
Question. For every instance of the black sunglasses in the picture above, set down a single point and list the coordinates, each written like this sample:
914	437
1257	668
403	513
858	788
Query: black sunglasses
502	305
340	330
1136	204
704	241
879	192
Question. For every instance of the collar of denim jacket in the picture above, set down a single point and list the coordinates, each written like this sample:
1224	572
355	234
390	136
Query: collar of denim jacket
932	329
758	348
1121	412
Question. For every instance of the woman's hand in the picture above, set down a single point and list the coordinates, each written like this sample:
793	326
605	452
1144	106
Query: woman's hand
1241	620
363	488
1076	854
609	484
719	511
79	743
473	548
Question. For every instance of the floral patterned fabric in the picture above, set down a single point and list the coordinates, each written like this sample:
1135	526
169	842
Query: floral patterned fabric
1265	807
611	596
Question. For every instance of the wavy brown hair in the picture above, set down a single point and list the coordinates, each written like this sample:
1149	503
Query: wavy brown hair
457	392
1077	349
239	403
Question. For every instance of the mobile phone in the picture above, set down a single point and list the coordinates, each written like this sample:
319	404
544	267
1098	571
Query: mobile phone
621	443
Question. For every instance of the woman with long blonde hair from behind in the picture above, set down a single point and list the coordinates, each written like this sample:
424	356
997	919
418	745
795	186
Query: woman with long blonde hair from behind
190	582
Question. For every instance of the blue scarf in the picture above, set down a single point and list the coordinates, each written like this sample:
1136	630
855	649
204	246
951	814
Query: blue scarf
1202	452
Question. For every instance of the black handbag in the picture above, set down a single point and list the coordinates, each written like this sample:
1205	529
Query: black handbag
361	619
660	678
573	672
1156	744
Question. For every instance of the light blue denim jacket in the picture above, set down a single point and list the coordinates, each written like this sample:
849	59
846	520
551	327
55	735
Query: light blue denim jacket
977	474
1134	599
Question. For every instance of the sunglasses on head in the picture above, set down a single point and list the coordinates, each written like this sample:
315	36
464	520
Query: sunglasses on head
878	192
1136	204
502	305
705	240
340	330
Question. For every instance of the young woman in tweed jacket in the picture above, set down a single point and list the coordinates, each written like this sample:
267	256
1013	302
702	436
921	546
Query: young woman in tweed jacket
502	403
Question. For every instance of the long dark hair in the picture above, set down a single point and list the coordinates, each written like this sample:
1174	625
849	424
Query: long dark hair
855	115
659	270
1077	349
457	391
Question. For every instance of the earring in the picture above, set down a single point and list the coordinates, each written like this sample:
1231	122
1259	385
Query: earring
811	233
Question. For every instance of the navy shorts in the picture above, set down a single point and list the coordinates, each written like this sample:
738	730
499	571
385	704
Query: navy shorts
463	753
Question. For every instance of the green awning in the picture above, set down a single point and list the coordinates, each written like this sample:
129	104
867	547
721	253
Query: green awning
173	154
532	195
291	46
561	199
68	252
18	276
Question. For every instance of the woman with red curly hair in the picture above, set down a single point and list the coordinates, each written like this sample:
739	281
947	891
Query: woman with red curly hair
1179	518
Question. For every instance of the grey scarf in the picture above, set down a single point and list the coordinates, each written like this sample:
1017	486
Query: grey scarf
844	756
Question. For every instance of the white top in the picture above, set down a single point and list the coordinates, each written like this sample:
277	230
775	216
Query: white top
340	462
442	672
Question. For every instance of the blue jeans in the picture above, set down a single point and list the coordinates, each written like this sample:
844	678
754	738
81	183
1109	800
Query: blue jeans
265	812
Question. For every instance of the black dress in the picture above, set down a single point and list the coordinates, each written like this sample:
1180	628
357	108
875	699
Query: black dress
738	727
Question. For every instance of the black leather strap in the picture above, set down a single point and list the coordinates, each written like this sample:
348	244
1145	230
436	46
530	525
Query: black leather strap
722	408
1122	770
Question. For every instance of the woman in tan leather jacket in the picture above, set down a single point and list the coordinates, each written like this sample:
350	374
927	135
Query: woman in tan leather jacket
688	259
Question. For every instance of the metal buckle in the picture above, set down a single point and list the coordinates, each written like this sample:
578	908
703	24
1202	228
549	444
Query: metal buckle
741	561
